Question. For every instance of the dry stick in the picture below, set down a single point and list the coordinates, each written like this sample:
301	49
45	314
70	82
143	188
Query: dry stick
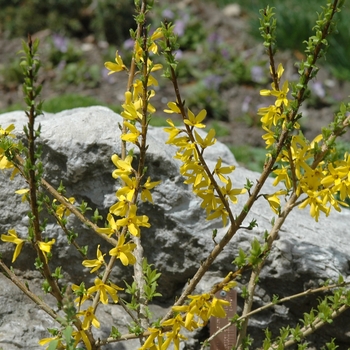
138	251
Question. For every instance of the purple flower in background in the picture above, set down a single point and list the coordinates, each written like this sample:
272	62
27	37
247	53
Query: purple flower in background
178	54
257	74
246	103
111	79
225	54
213	82
128	44
214	40
168	14
61	65
179	27
318	89
180	24
60	42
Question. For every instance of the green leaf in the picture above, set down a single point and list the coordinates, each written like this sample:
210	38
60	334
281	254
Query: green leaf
115	334
53	344
241	259
67	332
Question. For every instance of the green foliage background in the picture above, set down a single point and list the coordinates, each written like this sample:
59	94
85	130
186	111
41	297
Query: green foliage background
295	20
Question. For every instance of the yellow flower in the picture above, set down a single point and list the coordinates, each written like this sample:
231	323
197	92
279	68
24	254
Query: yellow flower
5	163
194	172
269	137
274	201
24	192
120	208
89	318
81	293
311	181
229	286
62	210
129	189
112	226
280	94
199	307
280	70
45	341
270	115
173	108
232	193
115	67
45	247
282	175
316	205
133	222
176	322
173	131
299	150
124	166
104	289
217	308
148	185
210	200
344	189
7	131
208	141
195	121
12	238
149	343
124	251
219	211
131	108
95	263
133	135
174	337
335	176
219	170
81	335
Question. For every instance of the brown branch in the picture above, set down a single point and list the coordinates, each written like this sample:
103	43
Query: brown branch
10	275
76	212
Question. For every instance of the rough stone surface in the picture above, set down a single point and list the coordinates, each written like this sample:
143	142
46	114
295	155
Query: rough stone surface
77	146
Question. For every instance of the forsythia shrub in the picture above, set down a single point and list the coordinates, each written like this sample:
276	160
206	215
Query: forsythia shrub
305	169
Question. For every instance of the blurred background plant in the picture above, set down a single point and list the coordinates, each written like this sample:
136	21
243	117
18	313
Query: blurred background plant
108	19
295	20
78	36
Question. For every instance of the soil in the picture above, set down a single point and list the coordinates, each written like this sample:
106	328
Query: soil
242	126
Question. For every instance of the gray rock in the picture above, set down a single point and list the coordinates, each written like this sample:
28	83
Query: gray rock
77	146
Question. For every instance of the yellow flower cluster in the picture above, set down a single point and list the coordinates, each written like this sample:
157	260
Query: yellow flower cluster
194	315
4	162
133	111
319	185
122	214
273	115
191	146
